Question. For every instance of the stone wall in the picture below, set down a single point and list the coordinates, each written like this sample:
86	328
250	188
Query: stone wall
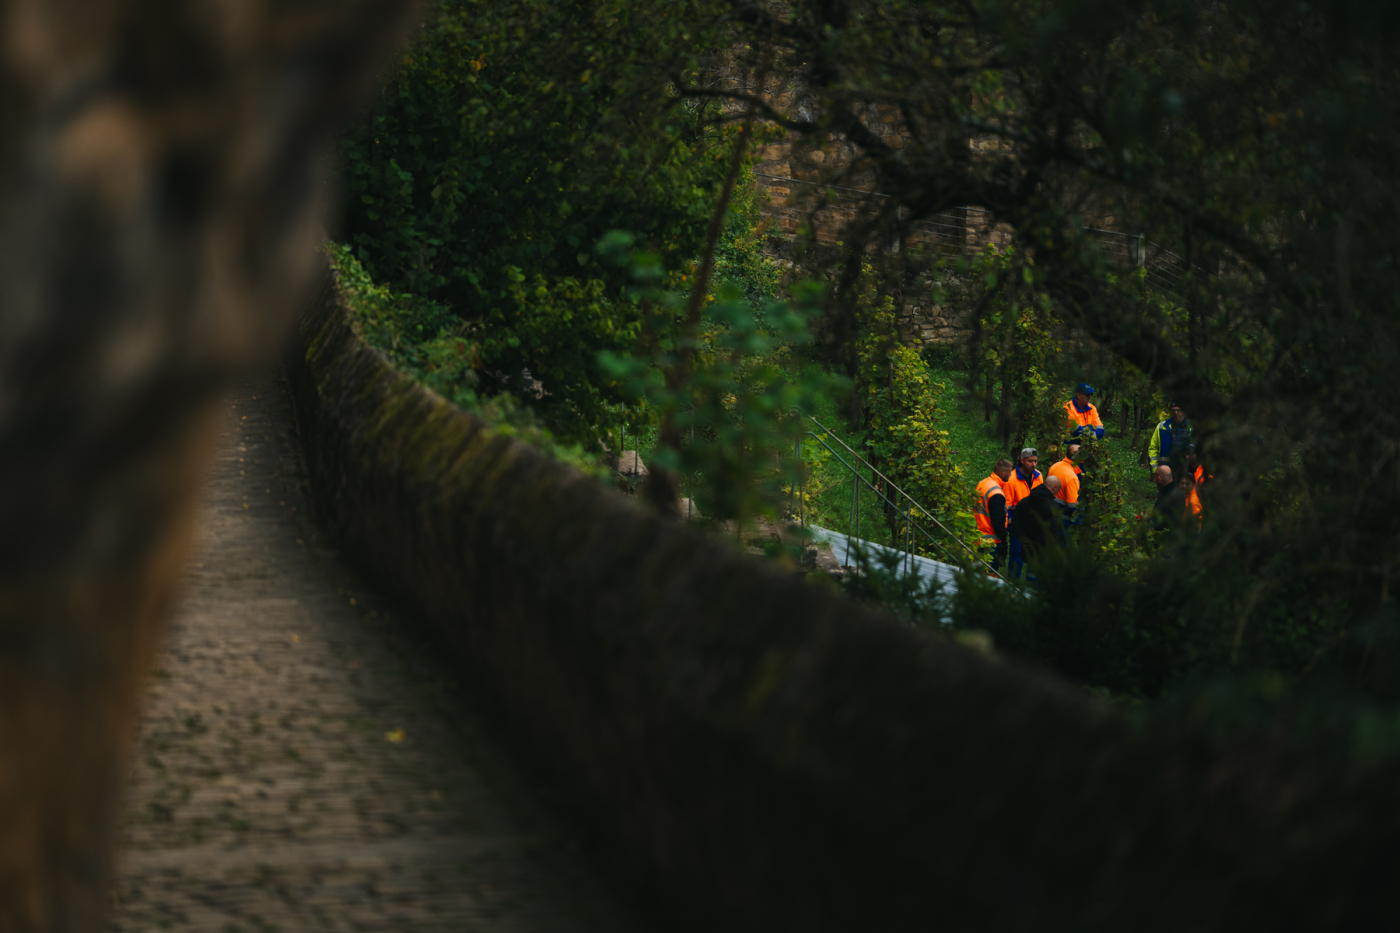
797	195
934	324
798	182
796	175
763	755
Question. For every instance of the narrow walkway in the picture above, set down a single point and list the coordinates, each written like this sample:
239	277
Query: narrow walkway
306	762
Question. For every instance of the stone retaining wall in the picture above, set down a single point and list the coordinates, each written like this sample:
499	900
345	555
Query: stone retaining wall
935	324
763	755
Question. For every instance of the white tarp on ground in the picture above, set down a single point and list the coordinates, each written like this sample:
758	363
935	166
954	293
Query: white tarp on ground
844	548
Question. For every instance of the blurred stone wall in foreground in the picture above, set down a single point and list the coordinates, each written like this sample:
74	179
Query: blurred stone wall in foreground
763	755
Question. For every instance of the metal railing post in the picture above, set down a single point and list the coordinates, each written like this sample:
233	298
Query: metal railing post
797	480
899	494
853	521
909	539
690	475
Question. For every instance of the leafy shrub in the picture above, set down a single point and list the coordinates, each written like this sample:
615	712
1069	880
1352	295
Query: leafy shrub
427	343
494	160
900	406
735	406
1015	346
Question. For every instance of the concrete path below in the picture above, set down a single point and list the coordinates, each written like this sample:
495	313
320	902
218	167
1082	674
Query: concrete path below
306	760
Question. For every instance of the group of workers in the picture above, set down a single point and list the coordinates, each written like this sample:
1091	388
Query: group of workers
1019	511
1178	472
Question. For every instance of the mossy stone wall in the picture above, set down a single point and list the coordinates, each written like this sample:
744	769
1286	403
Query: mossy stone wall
766	756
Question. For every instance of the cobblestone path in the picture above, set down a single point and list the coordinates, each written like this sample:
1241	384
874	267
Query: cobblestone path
305	761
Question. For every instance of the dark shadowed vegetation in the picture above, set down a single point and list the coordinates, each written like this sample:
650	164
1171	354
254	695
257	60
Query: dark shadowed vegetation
565	185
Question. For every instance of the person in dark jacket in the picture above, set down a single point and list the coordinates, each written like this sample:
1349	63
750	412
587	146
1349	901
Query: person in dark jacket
1039	519
1171	500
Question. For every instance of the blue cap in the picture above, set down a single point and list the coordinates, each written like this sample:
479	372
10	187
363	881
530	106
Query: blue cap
1085	388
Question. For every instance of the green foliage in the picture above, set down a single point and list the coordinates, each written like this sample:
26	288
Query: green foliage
1015	348
903	439
880	577
737	405
427	343
1247	139
739	257
1246	146
515	154
495	158
1103	532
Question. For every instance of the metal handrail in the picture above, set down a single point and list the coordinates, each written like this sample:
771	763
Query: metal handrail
891	482
875	489
912	501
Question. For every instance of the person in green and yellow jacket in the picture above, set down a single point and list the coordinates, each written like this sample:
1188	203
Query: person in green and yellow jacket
1170	438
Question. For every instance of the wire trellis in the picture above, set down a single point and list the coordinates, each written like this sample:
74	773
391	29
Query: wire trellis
903	503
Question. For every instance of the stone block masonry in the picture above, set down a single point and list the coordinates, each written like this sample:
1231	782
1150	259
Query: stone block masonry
796	197
934	324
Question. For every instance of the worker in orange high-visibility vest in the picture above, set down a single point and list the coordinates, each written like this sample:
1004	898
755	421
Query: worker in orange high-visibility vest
1022	479
1192	500
1082	415
990	511
1068	472
1196	477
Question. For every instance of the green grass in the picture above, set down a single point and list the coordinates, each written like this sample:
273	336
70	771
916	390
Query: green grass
974	443
975	446
829	501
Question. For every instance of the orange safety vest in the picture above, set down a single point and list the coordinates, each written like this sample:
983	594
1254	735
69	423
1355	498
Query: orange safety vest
1069	480
1193	500
991	486
1015	489
1083	419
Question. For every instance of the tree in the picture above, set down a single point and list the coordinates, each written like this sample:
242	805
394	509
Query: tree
498	156
1252	140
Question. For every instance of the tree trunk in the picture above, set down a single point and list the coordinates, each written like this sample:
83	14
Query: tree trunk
160	233
1004	413
662	487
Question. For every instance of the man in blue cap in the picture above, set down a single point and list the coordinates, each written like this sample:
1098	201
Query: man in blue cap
1082	414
